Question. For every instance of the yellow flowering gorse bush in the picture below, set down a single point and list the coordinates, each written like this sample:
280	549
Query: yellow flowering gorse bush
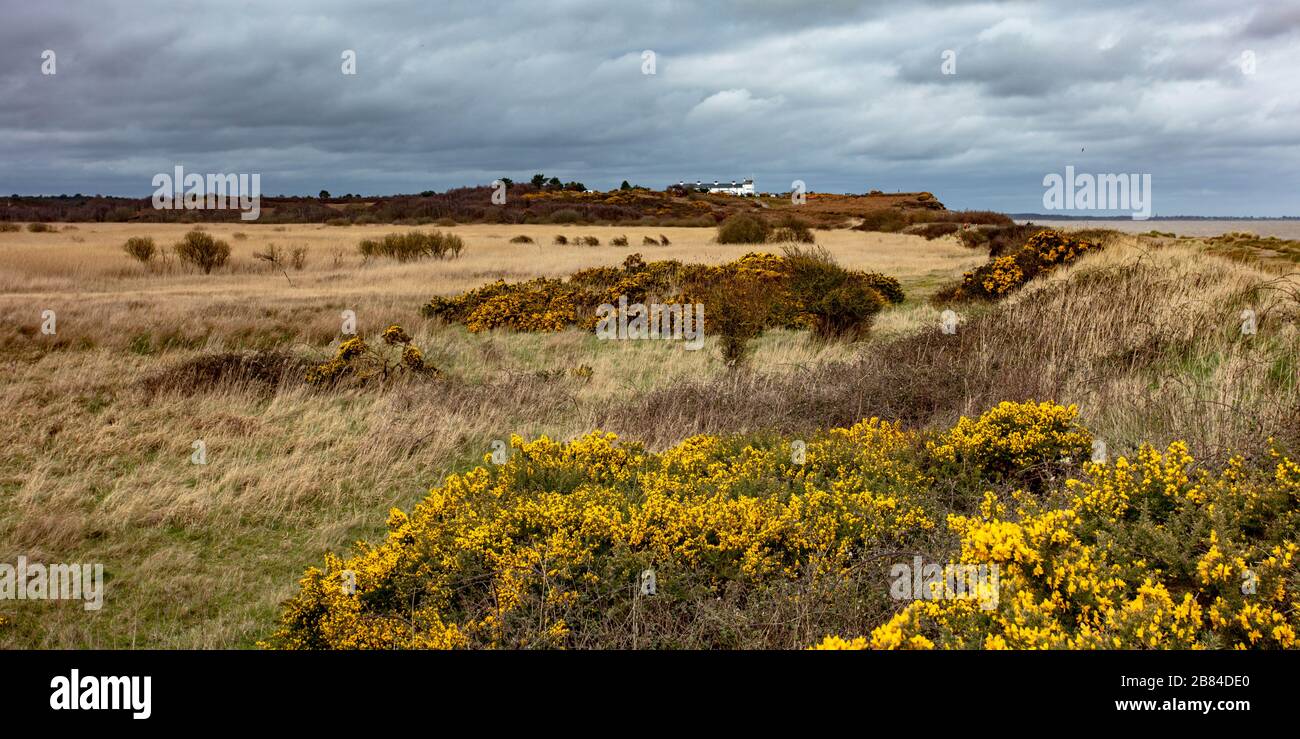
362	361
766	540
1148	553
1002	274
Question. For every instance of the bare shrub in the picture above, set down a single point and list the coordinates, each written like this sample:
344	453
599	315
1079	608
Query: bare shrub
413	245
792	230
140	248
202	251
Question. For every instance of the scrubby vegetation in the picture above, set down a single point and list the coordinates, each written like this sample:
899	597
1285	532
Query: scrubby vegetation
1044	251
140	248
357	360
413	245
747	474
802	289
549	549
930	223
743	228
201	250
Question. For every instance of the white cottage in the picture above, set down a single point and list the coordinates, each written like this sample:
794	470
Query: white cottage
744	188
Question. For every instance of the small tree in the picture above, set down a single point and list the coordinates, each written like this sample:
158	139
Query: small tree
202	251
625	186
539	180
324	194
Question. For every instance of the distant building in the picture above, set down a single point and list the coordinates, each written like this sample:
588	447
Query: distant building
744	188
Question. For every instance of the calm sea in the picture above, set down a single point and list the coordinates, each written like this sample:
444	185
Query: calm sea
1281	229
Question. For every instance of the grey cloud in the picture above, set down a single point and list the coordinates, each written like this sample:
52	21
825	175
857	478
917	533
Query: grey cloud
844	95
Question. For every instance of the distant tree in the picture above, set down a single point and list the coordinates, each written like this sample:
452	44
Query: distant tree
555	182
508	181
539	180
324	194
625	186
428	193
575	186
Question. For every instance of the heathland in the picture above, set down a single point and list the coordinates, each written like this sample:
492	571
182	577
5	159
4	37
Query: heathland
1136	342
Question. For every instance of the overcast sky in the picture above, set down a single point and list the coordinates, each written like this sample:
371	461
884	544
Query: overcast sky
846	96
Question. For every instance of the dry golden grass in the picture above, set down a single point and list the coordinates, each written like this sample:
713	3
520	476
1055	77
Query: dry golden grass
102	297
96	454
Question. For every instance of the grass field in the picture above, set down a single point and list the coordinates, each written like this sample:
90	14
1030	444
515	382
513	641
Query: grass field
96	454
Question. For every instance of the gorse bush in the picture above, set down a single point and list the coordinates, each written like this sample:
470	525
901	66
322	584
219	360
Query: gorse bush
794	287
737	310
413	245
39	227
202	250
1016	438
1148	553
839	303
360	361
1044	251
7	227
140	248
762	542
521	239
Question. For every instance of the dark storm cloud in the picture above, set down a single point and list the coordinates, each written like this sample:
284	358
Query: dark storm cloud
843	95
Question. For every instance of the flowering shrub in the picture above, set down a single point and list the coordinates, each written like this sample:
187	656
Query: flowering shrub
1015	437
357	359
1147	554
793	301
1042	252
542	549
547	550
